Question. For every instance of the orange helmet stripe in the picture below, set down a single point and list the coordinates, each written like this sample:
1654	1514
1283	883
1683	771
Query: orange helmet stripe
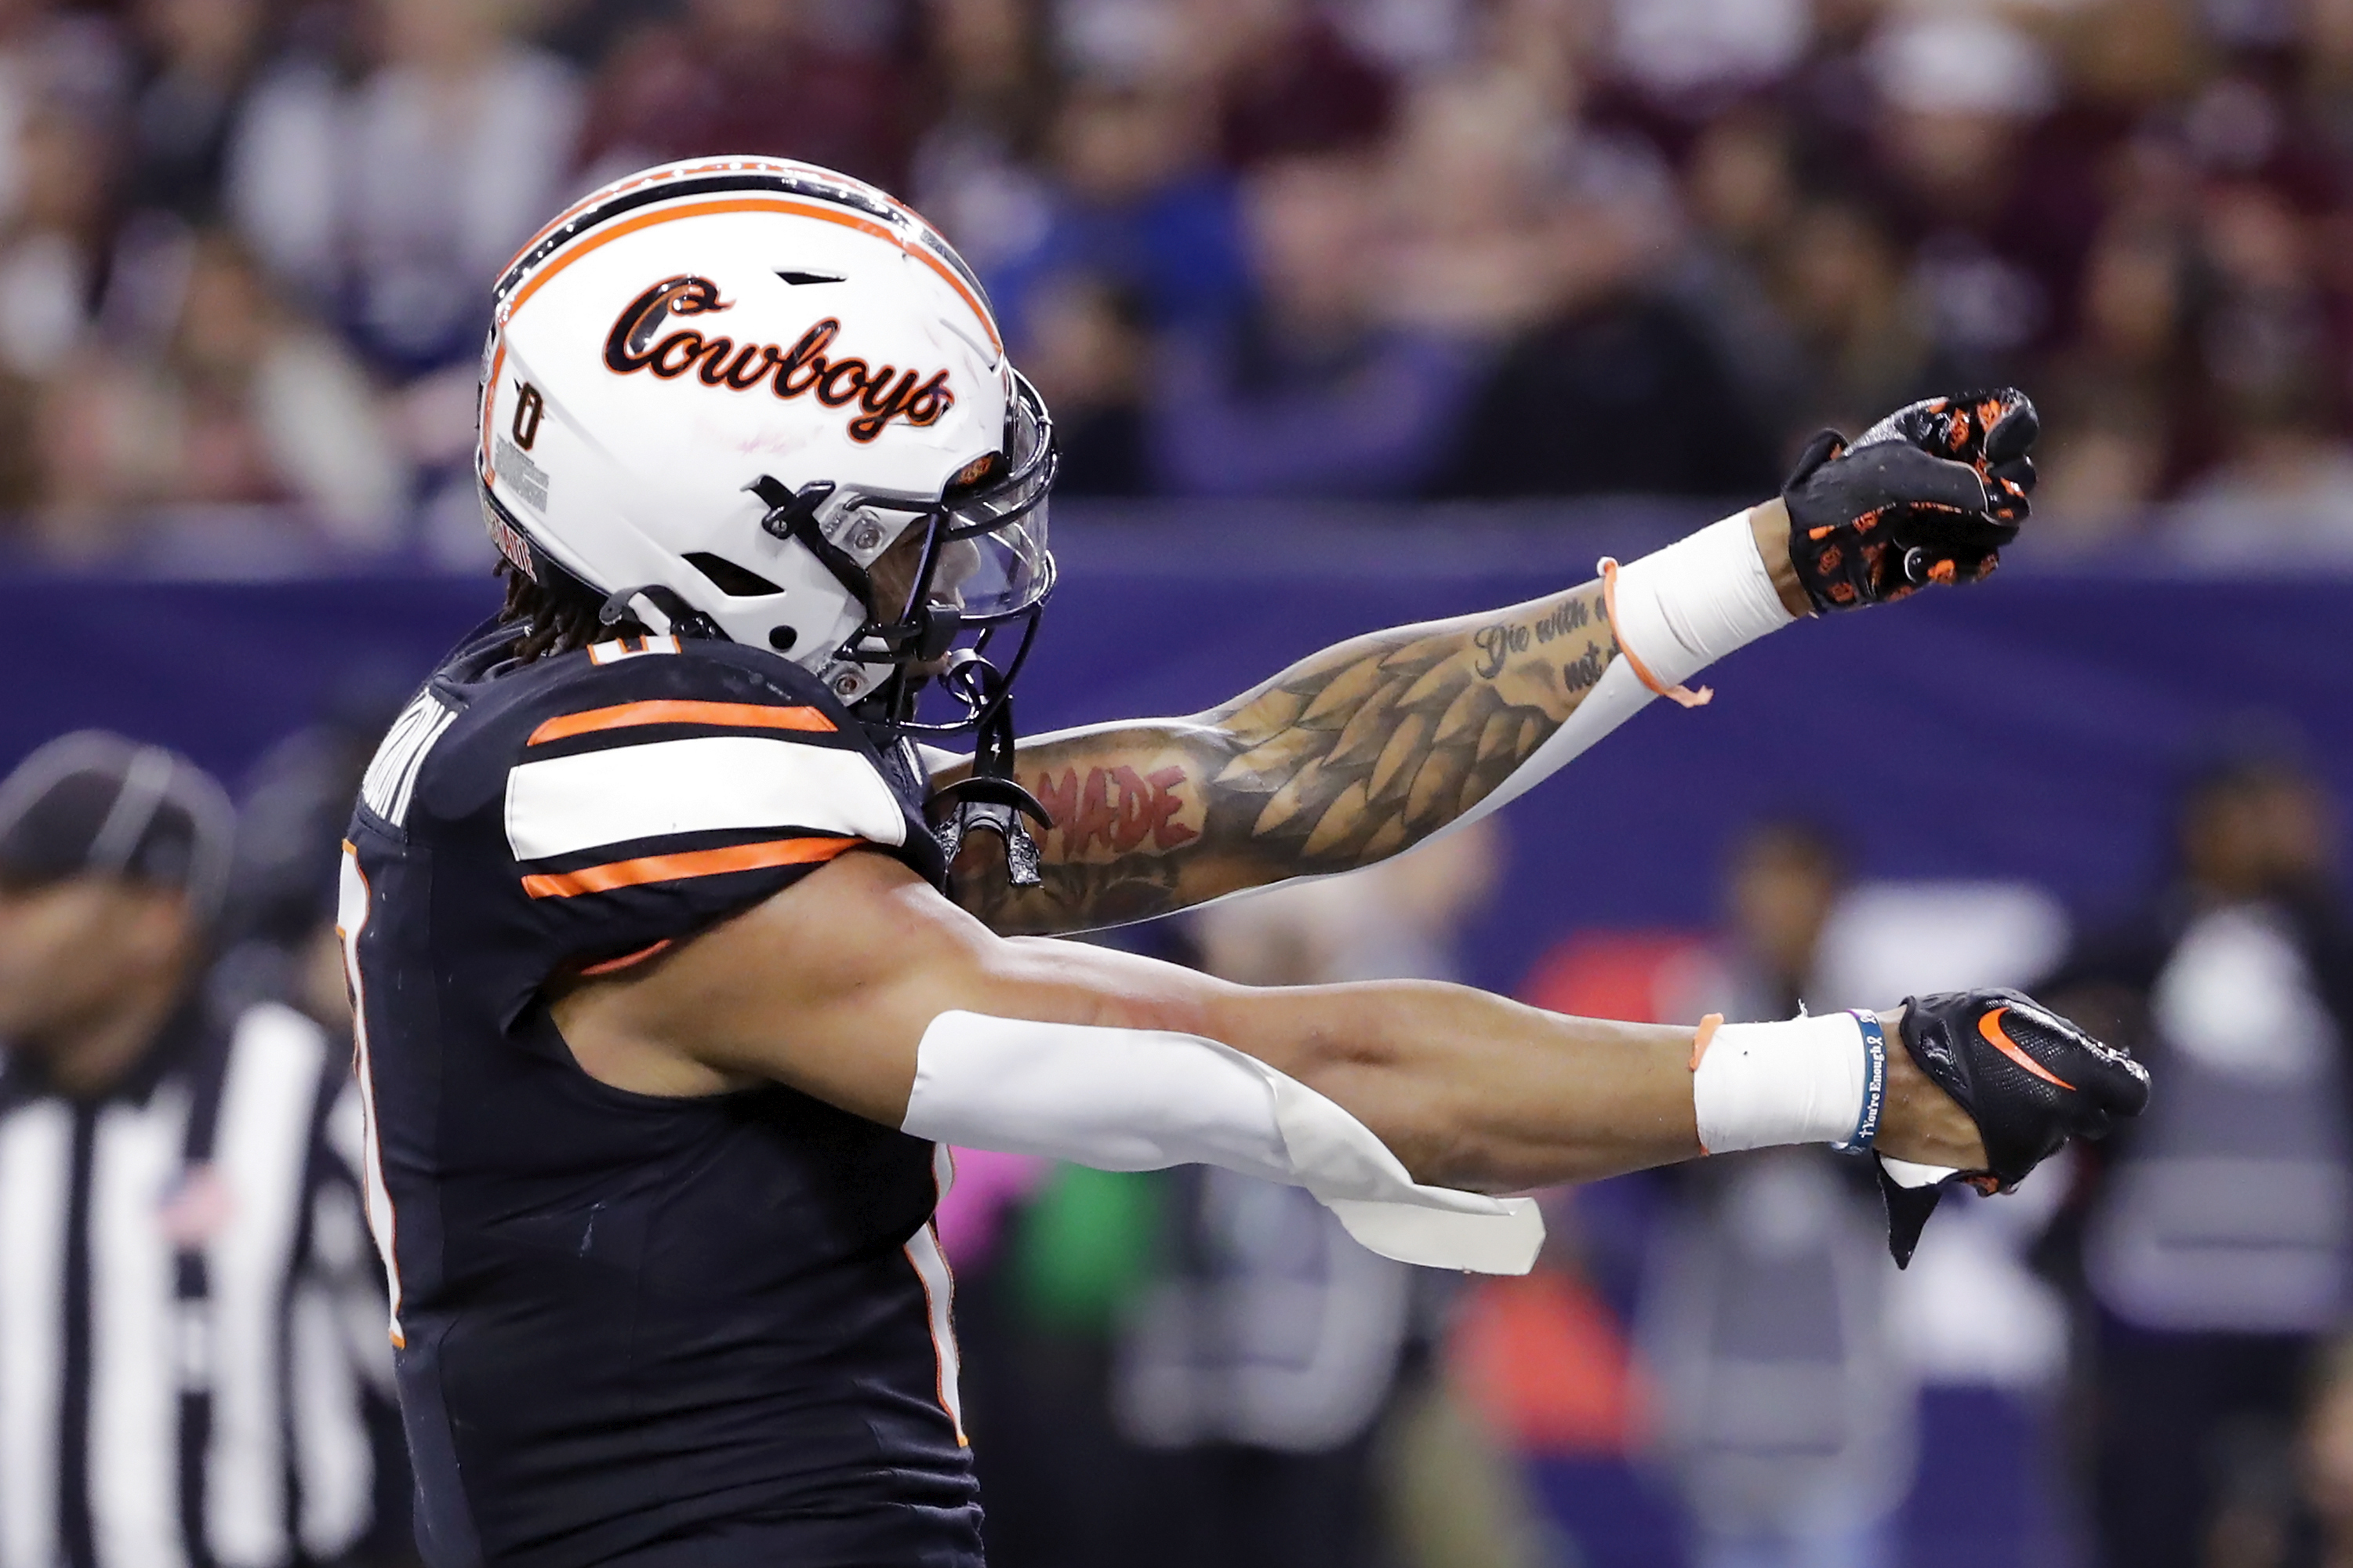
606	234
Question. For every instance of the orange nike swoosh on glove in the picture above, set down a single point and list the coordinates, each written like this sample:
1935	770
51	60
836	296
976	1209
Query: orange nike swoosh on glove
1998	1039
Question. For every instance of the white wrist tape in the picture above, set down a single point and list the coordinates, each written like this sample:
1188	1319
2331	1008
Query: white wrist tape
1679	609
1804	1080
1139	1099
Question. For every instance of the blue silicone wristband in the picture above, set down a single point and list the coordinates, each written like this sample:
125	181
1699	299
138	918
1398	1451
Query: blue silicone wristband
1874	1084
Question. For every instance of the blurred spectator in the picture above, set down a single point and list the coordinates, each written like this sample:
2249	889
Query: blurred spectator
195	1367
1740	185
788	78
2118	393
975	172
1839	276
51	60
1694	55
1615	336
1784	1407
1551	46
1089	349
1620	390
201	59
391	187
55	246
1959	93
2284	481
1308	391
1288	80
2218	1245
1480	244
247	404
57	254
1135	201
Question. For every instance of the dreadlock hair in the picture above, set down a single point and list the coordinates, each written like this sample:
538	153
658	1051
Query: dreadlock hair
557	613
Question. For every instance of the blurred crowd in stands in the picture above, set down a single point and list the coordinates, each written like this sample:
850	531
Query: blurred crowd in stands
1375	250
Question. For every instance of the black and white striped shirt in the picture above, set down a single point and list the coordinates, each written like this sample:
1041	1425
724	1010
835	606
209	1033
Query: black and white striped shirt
190	1317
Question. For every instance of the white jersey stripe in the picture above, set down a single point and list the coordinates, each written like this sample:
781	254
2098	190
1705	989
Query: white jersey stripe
564	805
134	1412
35	1149
262	1145
351	919
939	1295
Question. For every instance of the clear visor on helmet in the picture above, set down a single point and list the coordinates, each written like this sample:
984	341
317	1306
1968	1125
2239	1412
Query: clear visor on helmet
988	576
991	554
975	568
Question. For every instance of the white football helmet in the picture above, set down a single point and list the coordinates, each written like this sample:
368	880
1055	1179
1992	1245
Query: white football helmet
728	388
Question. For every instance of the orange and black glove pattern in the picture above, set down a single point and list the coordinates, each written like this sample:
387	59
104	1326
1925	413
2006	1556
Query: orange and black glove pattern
2027	1078
1930	494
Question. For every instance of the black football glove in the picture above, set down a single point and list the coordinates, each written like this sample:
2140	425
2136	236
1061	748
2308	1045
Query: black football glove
2027	1077
1930	494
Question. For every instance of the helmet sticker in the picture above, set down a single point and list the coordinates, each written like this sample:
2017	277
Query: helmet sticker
529	407
527	478
511	541
881	393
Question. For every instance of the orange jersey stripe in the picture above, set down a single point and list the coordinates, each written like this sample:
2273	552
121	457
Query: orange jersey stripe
693	863
737	715
619	226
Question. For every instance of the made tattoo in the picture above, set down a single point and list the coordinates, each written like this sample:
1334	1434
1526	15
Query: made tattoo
1345	759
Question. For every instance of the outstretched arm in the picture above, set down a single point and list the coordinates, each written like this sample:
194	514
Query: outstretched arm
1367	748
1345	758
832	986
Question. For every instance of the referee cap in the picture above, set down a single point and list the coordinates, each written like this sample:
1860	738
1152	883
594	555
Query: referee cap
96	803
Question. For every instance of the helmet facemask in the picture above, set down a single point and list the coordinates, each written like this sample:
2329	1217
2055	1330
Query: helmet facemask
958	575
967	575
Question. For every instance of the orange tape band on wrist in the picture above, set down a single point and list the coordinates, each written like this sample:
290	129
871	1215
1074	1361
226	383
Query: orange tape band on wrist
1681	694
1707	1029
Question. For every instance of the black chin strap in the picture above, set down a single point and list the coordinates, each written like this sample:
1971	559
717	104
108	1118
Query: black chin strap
987	799
660	611
792	515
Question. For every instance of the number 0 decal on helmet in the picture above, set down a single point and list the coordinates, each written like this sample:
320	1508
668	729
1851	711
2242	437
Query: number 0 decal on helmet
529	408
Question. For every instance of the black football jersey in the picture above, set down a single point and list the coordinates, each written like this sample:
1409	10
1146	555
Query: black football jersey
635	1329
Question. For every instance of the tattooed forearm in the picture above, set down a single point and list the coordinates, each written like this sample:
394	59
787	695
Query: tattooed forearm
1345	759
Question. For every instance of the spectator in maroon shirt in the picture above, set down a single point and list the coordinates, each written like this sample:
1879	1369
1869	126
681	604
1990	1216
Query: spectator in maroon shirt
754	75
1293	84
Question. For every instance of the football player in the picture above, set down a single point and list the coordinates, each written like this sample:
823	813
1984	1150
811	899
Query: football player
681	954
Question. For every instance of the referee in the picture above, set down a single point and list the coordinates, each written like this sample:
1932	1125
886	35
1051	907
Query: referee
191	1328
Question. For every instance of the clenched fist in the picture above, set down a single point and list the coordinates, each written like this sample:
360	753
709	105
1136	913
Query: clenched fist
1930	494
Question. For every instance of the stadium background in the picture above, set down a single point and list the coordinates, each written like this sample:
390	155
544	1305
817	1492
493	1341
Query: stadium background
1351	314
